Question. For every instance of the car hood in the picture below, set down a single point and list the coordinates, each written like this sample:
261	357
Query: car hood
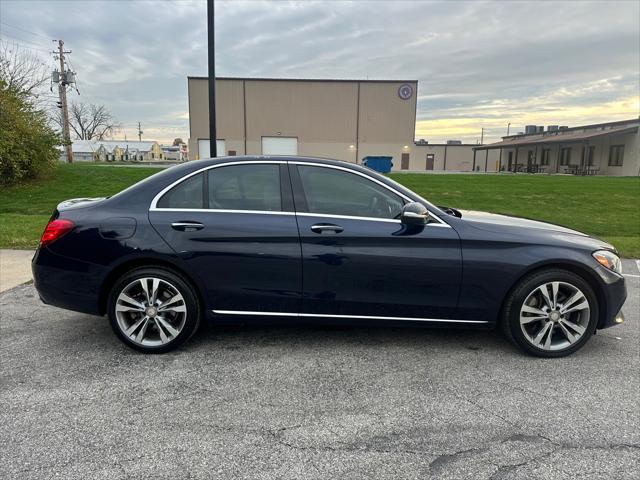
533	230
485	220
518	229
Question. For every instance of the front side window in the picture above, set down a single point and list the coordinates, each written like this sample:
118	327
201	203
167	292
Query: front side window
245	187
330	191
187	194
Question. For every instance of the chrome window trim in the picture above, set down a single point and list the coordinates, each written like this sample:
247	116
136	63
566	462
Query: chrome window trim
221	210
349	217
154	208
354	317
368	219
441	222
154	202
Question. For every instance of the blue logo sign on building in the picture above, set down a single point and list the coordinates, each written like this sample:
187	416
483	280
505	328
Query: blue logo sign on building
405	91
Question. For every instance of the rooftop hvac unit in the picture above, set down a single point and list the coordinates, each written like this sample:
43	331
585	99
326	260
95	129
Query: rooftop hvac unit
454	142
530	129
552	128
563	127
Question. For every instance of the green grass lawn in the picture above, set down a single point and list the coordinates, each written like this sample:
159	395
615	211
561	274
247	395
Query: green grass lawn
607	207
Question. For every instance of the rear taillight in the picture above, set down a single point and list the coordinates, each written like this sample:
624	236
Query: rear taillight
54	230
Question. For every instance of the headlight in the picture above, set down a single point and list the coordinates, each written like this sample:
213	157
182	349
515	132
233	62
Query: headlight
608	259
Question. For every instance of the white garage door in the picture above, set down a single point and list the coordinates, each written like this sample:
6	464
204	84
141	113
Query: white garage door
205	152
279	146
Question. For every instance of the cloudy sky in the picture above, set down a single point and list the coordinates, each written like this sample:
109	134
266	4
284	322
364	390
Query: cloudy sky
479	64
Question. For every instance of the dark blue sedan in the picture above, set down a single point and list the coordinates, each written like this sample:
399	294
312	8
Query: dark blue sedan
304	239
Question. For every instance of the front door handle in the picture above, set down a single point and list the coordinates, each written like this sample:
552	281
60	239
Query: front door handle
326	228
187	226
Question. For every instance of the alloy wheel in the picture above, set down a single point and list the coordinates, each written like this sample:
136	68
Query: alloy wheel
150	311
554	316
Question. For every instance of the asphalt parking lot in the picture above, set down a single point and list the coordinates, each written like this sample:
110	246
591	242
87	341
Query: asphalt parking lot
312	402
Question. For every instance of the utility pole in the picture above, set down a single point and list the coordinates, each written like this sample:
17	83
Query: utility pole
482	136
62	92
140	132
212	80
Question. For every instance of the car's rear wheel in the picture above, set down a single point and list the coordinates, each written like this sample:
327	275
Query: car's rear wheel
551	313
153	310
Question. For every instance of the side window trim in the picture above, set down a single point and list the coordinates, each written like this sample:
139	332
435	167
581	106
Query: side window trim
154	203
302	198
303	210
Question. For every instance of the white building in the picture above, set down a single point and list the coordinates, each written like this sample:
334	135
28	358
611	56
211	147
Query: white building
611	148
114	150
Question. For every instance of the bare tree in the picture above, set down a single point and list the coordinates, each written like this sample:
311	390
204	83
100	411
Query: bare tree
22	71
90	122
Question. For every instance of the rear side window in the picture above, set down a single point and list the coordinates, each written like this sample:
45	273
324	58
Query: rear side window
245	187
187	194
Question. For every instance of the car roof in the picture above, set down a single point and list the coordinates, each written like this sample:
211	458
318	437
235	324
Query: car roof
279	158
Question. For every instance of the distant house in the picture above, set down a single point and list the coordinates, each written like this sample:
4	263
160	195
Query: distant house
83	151
114	150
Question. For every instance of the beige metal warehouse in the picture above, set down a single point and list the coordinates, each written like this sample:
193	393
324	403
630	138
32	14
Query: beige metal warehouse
342	119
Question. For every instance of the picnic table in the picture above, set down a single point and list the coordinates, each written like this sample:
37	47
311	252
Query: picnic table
582	170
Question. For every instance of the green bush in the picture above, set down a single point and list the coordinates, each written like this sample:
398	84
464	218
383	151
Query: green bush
27	143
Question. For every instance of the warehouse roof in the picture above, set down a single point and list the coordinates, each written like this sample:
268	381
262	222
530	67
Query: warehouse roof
271	79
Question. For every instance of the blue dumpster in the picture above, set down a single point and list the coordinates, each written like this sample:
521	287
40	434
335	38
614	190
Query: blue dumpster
379	164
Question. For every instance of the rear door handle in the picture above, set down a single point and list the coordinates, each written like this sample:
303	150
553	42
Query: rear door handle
187	226
326	228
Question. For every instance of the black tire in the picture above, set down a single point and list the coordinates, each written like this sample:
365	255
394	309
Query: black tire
183	286
510	320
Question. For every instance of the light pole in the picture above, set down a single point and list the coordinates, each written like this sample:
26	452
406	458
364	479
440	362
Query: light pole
212	80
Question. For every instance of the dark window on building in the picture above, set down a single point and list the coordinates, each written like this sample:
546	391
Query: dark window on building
565	156
245	187
336	192
187	194
616	155
589	155
545	159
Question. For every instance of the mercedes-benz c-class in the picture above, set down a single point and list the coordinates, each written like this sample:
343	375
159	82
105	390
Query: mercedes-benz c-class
305	239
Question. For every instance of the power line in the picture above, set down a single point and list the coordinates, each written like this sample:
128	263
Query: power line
26	31
18	41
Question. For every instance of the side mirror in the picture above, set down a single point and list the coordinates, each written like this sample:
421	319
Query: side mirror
414	213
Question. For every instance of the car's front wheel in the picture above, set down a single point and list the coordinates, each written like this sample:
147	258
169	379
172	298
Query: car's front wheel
153	309
551	313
